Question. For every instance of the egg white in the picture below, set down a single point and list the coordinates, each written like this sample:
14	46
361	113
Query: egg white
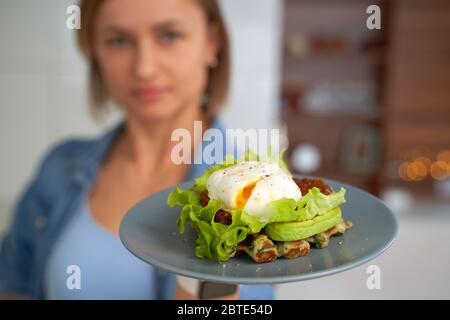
270	183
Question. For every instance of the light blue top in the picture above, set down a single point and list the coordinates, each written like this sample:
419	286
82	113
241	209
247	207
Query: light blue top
104	269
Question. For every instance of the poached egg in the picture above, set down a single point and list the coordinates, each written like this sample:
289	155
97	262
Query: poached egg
251	186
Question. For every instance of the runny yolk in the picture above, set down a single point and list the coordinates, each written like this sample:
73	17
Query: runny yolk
244	195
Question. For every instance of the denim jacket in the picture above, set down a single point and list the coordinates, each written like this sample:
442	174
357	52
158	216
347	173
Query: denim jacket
48	203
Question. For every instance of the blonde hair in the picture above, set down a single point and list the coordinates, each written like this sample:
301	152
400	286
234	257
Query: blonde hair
218	77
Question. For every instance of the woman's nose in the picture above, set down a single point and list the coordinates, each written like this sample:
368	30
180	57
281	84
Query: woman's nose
145	66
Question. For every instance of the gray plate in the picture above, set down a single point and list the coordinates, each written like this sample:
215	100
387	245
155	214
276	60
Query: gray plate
149	231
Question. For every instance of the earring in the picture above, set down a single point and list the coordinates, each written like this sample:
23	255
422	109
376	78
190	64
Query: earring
214	63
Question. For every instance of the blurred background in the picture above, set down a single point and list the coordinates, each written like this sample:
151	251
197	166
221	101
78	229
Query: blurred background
366	107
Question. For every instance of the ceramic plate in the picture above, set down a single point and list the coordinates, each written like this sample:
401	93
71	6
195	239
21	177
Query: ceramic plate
149	231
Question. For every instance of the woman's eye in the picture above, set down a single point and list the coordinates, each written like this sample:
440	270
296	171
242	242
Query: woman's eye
171	36
119	42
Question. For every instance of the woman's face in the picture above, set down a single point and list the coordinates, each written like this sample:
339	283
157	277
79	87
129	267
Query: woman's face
154	54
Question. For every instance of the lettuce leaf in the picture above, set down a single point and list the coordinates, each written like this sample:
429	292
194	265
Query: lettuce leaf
216	241
227	237
190	204
310	205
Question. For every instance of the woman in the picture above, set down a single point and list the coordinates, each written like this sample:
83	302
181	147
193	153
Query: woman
165	62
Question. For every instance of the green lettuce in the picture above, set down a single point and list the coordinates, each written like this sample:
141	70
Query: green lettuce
216	241
310	205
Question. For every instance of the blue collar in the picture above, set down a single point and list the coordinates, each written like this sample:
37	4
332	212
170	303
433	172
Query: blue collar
88	162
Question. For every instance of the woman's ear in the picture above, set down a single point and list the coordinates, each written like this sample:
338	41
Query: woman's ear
214	44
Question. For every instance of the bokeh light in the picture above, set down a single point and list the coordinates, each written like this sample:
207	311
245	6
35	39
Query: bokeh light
444	155
402	169
420	163
416	171
439	170
425	161
413	170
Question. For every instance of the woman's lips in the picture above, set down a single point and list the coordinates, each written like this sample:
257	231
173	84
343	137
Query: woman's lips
149	94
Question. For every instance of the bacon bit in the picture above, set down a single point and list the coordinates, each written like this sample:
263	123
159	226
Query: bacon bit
306	184
221	216
204	199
